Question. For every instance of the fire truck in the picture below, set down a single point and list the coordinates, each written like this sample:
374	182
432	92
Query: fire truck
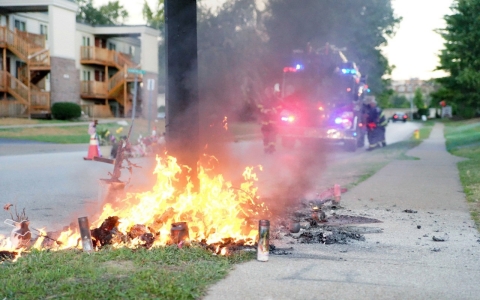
322	99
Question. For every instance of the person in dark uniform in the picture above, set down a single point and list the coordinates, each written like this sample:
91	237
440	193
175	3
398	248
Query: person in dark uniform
269	111
376	123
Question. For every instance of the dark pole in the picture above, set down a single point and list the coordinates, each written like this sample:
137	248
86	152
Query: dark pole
182	109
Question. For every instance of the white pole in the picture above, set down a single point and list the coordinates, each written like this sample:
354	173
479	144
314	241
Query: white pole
134	98
411	107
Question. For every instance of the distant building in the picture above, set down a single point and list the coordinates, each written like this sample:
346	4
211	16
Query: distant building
407	88
47	57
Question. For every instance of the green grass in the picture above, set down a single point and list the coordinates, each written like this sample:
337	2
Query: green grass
77	134
463	139
158	273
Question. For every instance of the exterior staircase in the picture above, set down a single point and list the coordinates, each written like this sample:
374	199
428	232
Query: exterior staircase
114	87
29	48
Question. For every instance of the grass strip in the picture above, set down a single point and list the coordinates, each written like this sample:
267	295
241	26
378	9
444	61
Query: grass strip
463	139
157	273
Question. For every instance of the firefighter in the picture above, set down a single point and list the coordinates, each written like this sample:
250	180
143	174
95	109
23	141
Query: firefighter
269	110
376	123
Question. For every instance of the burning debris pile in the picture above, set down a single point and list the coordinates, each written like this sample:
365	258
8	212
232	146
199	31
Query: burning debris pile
218	215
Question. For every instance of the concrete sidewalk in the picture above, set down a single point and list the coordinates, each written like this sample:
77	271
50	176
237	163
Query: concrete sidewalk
402	262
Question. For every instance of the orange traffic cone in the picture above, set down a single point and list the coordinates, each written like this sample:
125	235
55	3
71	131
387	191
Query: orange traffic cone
93	149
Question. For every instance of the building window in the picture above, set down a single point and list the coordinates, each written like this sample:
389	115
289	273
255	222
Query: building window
86	41
44	31
112	46
86	75
131	50
20	25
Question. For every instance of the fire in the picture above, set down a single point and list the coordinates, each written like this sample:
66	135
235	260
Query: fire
7	250
215	211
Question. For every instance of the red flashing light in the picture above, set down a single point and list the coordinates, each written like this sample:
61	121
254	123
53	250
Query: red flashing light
395	116
289	69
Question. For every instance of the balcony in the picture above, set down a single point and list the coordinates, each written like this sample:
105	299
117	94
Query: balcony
93	89
104	57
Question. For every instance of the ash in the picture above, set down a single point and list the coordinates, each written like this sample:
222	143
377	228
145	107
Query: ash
337	236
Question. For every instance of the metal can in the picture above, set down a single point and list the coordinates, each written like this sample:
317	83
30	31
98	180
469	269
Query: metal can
263	247
85	234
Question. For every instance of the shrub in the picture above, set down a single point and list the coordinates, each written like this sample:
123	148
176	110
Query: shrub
66	111
423	112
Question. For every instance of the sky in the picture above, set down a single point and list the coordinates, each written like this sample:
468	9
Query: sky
414	49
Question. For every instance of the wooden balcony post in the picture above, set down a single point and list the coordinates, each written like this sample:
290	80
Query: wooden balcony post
5	66
29	93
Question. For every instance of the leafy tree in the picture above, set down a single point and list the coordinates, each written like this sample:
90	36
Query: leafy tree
155	16
232	57
418	99
360	26
460	58
111	13
400	101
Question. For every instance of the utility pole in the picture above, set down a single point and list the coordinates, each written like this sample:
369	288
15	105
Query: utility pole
182	103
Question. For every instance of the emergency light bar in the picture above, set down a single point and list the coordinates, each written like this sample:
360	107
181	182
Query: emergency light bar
349	71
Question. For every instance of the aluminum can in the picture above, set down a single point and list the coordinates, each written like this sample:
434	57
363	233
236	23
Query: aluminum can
263	247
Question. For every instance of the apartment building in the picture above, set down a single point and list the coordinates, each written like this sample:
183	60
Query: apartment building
408	87
47	57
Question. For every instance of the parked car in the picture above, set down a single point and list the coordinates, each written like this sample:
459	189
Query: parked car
399	117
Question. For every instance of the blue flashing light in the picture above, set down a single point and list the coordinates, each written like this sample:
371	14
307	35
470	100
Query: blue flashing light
338	120
354	134
349	71
299	67
368	90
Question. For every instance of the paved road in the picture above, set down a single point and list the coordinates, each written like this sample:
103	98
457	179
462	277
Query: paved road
402	262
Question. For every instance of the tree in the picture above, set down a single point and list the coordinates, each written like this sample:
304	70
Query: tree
460	58
155	16
418	99
360	26
232	58
400	101
111	13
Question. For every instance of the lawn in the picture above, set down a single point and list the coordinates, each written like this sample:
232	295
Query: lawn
72	134
463	139
158	273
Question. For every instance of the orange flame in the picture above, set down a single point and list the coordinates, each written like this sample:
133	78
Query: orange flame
214	212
